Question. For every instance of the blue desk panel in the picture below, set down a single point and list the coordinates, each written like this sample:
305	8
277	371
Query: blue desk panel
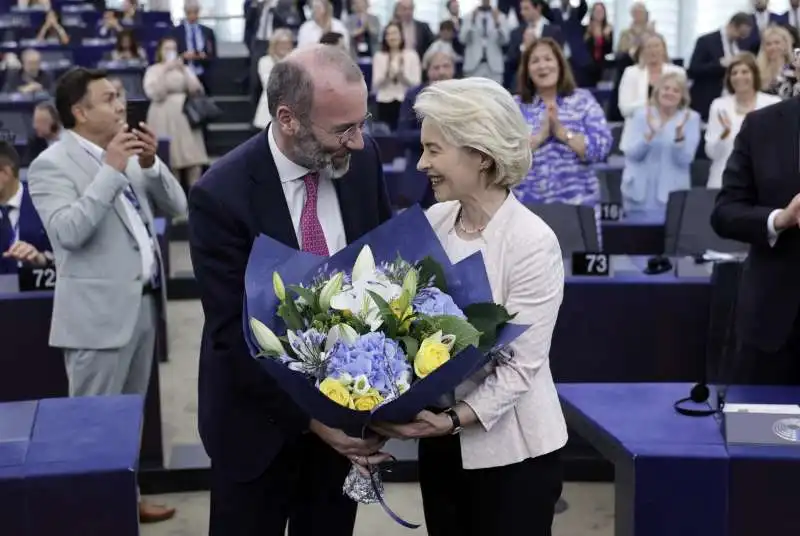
77	473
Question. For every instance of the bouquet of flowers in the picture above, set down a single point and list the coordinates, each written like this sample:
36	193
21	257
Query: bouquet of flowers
381	330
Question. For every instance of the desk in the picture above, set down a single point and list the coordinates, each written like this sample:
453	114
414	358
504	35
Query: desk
67	466
634	234
631	327
674	474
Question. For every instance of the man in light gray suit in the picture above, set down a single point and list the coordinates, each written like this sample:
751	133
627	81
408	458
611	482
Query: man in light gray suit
92	191
484	33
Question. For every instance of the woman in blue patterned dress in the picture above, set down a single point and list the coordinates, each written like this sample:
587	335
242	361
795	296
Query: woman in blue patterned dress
569	130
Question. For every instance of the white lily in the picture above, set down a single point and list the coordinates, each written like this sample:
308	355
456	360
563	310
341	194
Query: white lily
267	341
340	332
331	288
277	286
356	299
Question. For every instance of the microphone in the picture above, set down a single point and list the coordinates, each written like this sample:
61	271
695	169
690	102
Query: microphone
700	392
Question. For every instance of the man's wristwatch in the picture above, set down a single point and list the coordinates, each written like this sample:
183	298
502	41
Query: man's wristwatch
450	412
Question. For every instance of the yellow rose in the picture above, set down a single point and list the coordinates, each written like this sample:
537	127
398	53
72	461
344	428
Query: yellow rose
337	392
431	355
369	401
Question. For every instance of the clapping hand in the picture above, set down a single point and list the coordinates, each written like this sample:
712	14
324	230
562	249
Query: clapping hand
725	121
679	134
538	138
652	125
556	128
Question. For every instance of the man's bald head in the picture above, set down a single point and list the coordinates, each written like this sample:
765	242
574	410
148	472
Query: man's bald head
307	73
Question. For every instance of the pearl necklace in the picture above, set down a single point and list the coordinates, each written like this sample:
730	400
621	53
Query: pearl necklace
464	230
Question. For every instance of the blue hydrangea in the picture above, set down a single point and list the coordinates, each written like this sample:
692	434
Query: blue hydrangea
433	302
375	356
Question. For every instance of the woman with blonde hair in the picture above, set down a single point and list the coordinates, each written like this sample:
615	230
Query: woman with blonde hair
742	86
659	143
322	21
490	464
280	45
638	80
774	58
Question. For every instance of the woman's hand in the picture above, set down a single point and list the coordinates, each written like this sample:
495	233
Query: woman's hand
556	128
425	424
725	121
652	125
679	134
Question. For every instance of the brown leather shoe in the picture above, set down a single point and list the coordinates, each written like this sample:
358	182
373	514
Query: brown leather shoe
154	513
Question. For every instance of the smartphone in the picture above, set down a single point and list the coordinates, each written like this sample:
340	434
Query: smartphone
136	112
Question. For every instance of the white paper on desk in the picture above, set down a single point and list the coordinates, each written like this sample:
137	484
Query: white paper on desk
716	256
771	409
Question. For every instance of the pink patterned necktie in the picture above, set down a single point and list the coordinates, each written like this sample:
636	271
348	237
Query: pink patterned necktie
311	235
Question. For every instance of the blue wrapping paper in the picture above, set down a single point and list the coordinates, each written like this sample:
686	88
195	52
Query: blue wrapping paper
408	235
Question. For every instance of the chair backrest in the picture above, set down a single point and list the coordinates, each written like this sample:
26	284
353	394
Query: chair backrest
721	347
687	229
18	122
574	225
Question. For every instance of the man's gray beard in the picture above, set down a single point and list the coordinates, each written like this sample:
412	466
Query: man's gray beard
309	154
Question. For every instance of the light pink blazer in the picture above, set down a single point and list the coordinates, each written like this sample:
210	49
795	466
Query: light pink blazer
516	402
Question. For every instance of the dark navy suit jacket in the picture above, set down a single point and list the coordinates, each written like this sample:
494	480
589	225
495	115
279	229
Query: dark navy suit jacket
753	42
415	187
572	27
244	416
31	229
706	72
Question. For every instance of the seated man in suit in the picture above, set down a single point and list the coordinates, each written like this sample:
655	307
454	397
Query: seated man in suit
46	131
312	180
196	42
761	177
22	235
31	78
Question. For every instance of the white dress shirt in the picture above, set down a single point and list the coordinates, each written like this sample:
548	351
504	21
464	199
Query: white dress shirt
793	16
140	234
310	33
328	212
15	204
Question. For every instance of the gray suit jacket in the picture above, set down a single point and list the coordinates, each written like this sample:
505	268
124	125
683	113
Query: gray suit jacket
472	36
99	284
373	31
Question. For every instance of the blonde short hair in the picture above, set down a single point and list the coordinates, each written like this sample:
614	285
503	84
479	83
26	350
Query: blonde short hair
479	114
675	76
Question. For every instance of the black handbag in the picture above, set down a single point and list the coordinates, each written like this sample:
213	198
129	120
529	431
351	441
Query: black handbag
200	110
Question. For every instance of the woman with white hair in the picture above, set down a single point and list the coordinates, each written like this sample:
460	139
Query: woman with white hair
490	464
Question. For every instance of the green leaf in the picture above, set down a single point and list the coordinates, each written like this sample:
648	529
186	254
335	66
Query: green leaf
389	318
487	318
431	271
465	333
290	315
411	345
308	295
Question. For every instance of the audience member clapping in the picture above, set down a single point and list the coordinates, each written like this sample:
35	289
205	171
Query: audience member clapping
417	35
31	78
130	13
365	30
569	128
599	40
168	83
533	26
659	143
280	45
127	48
52	30
639	80
742	84
395	70
322	21
109	26
447	38
632	37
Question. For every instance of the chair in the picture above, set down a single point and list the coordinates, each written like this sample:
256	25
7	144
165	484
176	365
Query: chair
721	348
687	228
18	122
574	225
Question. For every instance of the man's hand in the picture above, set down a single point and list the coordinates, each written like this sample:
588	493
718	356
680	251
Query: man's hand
123	146
345	445
24	252
147	157
789	216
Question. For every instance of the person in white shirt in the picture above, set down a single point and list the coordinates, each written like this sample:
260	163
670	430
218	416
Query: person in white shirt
638	80
742	82
280	46
395	70
322	22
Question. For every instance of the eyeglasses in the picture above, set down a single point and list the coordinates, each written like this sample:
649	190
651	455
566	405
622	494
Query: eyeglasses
347	135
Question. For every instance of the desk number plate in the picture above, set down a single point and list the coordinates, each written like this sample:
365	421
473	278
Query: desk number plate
593	264
36	278
610	211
